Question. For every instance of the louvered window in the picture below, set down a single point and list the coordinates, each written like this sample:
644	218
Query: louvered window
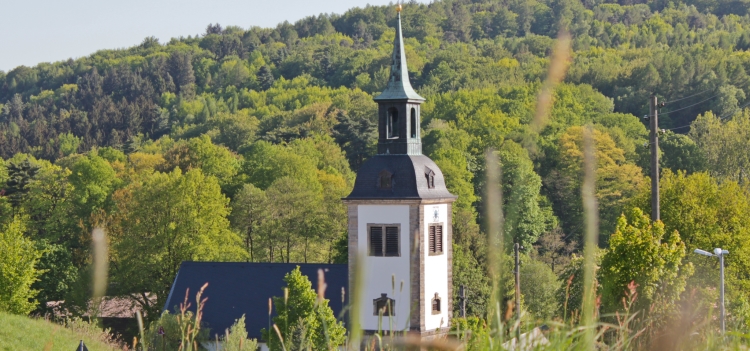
384	240
376	241
391	241
435	234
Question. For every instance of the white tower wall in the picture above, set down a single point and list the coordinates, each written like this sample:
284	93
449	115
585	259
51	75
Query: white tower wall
379	272
436	268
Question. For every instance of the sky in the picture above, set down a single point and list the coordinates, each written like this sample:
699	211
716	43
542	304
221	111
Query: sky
34	31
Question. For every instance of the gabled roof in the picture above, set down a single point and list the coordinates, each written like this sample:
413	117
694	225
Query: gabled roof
237	288
399	86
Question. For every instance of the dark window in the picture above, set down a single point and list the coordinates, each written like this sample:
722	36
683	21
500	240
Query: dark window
436	304
435	234
392	125
385	179
413	122
384	240
384	306
429	175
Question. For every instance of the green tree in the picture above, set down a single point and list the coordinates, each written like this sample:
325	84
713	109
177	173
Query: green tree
18	269
249	212
539	285
724	144
526	217
168	219
616	181
469	273
200	152
708	213
236	338
643	252
301	311
680	153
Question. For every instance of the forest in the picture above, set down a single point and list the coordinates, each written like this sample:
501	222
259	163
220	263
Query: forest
238	145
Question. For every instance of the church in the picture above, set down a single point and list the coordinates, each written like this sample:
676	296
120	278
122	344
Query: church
400	238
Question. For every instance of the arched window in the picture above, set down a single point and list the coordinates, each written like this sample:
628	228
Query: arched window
385	180
392	124
436	304
413	123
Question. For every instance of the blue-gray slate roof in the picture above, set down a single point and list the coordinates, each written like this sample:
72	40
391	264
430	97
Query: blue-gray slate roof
409	179
237	288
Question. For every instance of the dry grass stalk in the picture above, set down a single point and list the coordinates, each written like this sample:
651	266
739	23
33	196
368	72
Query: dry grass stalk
558	67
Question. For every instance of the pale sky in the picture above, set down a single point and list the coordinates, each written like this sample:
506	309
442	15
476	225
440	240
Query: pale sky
34	31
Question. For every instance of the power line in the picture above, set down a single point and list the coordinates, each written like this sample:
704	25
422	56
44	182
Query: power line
687	97
731	114
689	106
722	117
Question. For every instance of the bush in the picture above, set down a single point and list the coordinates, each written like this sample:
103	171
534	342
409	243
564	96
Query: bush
17	269
538	286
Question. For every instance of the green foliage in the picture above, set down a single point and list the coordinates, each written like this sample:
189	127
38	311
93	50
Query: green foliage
304	320
539	285
170	323
617	181
24	333
236	338
469	273
18	269
472	330
526	217
724	144
642	252
170	218
708	214
570	294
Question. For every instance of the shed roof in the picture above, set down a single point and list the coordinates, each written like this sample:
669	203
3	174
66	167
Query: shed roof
237	288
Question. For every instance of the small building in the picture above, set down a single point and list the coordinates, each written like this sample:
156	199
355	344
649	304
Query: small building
243	288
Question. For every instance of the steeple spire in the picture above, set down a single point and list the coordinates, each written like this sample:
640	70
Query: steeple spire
399	86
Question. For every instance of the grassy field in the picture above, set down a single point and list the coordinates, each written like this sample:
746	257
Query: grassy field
21	333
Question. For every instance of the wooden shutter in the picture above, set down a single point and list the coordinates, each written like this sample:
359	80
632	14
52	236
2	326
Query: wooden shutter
376	241
432	238
438	238
391	241
436	305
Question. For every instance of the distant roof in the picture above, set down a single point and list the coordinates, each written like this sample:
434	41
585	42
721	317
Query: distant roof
237	288
408	179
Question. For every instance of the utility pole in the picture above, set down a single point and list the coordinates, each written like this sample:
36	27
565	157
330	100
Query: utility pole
654	141
516	248
463	301
723	311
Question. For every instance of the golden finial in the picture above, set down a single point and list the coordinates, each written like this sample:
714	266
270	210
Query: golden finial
398	8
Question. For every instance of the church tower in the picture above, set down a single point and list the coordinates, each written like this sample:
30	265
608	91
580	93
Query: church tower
400	220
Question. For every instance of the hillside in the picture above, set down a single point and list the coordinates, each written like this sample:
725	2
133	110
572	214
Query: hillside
22	333
238	144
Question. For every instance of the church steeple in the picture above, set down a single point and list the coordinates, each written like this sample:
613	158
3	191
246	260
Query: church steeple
398	106
399	86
